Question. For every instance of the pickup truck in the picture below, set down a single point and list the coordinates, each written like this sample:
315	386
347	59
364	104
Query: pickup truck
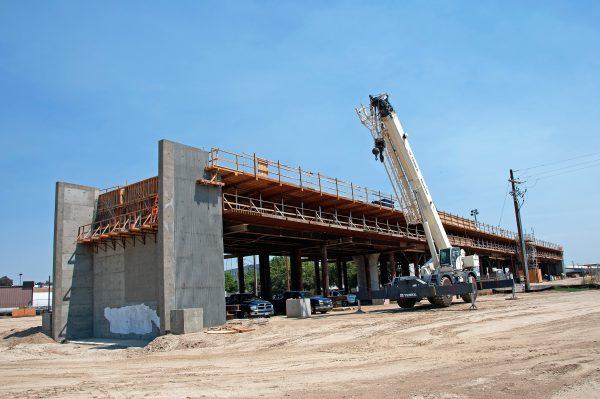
317	303
250	306
341	299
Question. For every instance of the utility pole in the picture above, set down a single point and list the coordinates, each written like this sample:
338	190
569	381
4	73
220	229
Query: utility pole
516	194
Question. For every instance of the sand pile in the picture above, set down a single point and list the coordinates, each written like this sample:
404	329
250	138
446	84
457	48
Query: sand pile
30	336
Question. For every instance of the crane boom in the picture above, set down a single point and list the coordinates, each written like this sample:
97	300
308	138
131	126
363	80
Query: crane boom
394	150
450	271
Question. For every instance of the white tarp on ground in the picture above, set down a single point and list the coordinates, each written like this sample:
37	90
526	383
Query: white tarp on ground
134	319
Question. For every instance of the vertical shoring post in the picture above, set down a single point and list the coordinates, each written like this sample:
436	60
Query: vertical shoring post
254	160
319	178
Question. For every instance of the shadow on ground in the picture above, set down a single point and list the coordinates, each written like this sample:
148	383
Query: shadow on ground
25	333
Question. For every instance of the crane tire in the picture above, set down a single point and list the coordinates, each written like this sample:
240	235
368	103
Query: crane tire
445	300
407	303
467	297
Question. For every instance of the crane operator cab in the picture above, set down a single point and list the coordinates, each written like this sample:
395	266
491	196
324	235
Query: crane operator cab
451	258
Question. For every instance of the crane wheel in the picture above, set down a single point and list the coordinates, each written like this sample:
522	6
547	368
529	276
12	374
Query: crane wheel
445	300
467	297
406	303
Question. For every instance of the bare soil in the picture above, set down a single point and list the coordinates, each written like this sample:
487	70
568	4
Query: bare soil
544	345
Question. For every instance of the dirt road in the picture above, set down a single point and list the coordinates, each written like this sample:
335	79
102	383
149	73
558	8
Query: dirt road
544	345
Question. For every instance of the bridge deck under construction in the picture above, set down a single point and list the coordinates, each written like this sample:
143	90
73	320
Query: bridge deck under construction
272	206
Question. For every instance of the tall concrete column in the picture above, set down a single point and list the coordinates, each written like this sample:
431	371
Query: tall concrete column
73	274
241	277
345	276
317	278
325	271
361	275
338	273
190	236
372	260
416	261
404	264
296	270
265	277
392	265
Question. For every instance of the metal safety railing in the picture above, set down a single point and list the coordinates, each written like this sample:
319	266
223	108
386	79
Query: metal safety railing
281	210
131	223
305	179
275	170
238	203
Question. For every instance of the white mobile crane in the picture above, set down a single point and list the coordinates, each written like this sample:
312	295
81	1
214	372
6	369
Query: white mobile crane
449	272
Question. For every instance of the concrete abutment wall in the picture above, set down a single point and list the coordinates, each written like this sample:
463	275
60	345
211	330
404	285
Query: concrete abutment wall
127	290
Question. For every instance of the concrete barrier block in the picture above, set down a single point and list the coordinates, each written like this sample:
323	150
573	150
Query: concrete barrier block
185	321
47	323
298	308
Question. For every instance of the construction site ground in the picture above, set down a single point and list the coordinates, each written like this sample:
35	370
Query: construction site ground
543	345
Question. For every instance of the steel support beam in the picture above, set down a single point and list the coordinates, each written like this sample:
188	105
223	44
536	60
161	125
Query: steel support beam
265	276
296	270
317	278
325	271
241	281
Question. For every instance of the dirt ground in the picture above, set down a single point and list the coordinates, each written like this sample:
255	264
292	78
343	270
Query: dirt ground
544	345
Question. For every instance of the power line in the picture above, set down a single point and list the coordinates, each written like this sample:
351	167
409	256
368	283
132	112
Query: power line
556	162
591	161
503	204
567	171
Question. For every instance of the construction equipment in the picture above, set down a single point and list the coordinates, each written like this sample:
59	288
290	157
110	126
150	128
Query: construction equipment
450	271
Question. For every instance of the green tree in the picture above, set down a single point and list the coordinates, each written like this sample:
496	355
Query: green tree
352	278
249	280
231	284
5	282
278	274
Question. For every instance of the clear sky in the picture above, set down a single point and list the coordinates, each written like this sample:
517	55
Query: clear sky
87	90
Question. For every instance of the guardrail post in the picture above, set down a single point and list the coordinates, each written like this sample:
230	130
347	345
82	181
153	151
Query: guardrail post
254	158
319	178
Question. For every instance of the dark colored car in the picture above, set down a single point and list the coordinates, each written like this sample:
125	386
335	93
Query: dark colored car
317	303
250	306
321	304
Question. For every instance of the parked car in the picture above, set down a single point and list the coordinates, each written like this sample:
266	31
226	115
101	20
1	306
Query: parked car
321	304
341	299
317	303
250	306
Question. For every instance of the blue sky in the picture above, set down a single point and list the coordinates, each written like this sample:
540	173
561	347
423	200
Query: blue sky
87	90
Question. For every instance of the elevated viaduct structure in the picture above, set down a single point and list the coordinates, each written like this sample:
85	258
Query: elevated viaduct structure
157	245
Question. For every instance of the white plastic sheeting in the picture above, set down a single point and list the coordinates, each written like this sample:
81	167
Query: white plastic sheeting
134	319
